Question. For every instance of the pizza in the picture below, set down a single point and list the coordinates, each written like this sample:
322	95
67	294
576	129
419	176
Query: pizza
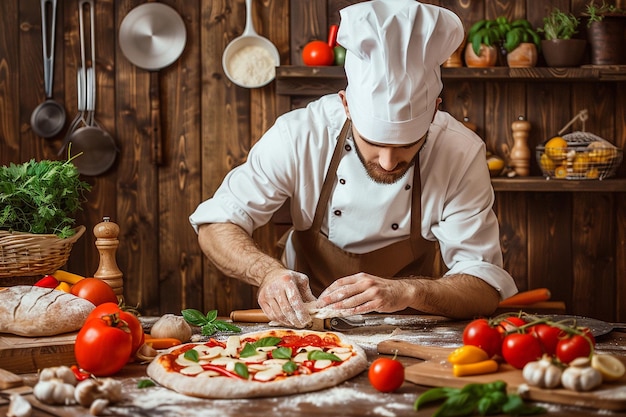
260	364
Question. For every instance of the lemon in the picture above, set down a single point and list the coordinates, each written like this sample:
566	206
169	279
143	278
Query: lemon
581	163
495	165
600	152
556	148
546	164
560	172
609	366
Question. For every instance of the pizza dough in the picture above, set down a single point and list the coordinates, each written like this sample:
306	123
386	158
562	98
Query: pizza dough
195	378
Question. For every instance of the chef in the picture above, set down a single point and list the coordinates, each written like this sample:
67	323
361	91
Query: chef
380	182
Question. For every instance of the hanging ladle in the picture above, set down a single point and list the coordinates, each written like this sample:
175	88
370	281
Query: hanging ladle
254	70
48	118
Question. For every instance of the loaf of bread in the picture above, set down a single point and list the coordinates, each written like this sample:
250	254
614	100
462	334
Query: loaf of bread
26	310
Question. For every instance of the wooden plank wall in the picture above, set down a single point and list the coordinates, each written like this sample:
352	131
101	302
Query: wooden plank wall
572	242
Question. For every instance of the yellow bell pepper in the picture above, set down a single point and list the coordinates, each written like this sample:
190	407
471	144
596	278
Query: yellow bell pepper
467	354
63	286
68	277
477	368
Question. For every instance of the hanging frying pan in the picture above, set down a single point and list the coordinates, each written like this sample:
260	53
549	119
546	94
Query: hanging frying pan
96	147
152	36
48	118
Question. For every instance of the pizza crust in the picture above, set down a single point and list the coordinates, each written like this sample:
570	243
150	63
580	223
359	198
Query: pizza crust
225	387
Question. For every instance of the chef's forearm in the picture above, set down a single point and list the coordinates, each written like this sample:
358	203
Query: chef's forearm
235	253
457	296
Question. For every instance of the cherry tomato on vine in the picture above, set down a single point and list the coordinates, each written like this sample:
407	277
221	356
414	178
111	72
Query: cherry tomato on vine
134	325
386	375
520	348
575	346
480	333
548	336
94	290
103	345
510	324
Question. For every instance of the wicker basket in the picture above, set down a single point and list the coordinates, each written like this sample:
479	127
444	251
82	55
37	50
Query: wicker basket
28	254
586	157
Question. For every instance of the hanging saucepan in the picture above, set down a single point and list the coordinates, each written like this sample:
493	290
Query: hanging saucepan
250	59
96	147
48	118
152	36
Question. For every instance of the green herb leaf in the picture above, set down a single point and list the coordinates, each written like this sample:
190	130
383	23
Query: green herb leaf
194	317
211	315
434	394
290	367
192	355
145	383
282	353
242	370
267	341
248	350
226	327
317	355
208	329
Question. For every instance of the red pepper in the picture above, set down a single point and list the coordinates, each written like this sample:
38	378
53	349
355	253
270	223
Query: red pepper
80	375
47	281
222	371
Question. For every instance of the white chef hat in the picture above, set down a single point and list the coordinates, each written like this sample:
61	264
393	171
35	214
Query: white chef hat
394	52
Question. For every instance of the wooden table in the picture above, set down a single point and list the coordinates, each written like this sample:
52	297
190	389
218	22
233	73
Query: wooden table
352	398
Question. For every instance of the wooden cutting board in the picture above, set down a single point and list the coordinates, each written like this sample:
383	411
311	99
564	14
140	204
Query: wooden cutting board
436	371
23	355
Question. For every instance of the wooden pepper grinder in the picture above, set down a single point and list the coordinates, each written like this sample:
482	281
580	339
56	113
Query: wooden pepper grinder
520	153
106	234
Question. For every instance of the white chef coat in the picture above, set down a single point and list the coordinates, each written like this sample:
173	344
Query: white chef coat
291	159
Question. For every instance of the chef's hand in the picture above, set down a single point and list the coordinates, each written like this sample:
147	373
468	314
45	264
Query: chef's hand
364	293
282	297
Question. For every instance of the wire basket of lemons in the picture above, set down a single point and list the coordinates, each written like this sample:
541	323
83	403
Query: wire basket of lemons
578	156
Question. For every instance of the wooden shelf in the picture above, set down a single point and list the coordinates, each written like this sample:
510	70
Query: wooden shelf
316	81
541	184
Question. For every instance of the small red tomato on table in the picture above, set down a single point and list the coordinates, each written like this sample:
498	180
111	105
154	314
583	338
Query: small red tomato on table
94	290
520	348
386	375
483	334
131	320
575	346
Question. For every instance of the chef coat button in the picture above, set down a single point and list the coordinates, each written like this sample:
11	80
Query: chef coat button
407	187
348	148
337	212
342	181
395	226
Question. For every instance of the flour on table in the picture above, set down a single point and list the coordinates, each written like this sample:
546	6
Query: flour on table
252	66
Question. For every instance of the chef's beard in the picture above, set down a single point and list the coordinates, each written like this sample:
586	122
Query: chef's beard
381	176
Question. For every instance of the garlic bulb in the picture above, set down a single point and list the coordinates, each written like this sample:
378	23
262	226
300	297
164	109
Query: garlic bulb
542	373
19	406
580	376
171	325
54	391
63	373
90	390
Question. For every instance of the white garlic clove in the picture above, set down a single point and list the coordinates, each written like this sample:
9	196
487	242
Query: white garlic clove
19	406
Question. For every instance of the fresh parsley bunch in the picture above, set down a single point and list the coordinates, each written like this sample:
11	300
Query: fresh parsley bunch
40	197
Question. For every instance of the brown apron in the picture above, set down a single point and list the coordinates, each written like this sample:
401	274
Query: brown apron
323	262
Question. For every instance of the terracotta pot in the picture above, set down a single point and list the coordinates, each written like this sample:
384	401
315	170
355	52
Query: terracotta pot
524	56
563	52
487	57
608	41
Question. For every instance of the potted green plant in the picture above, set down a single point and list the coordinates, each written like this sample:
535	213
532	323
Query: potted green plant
559	47
483	39
521	43
605	32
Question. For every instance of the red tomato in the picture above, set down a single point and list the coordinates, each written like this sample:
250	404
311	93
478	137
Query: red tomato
548	336
386	375
134	325
480	333
511	324
575	346
318	53
103	345
520	348
94	290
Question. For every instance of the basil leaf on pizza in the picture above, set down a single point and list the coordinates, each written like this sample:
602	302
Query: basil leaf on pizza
265	363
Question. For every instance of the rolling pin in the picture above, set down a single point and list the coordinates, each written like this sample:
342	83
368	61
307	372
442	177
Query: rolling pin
256	315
